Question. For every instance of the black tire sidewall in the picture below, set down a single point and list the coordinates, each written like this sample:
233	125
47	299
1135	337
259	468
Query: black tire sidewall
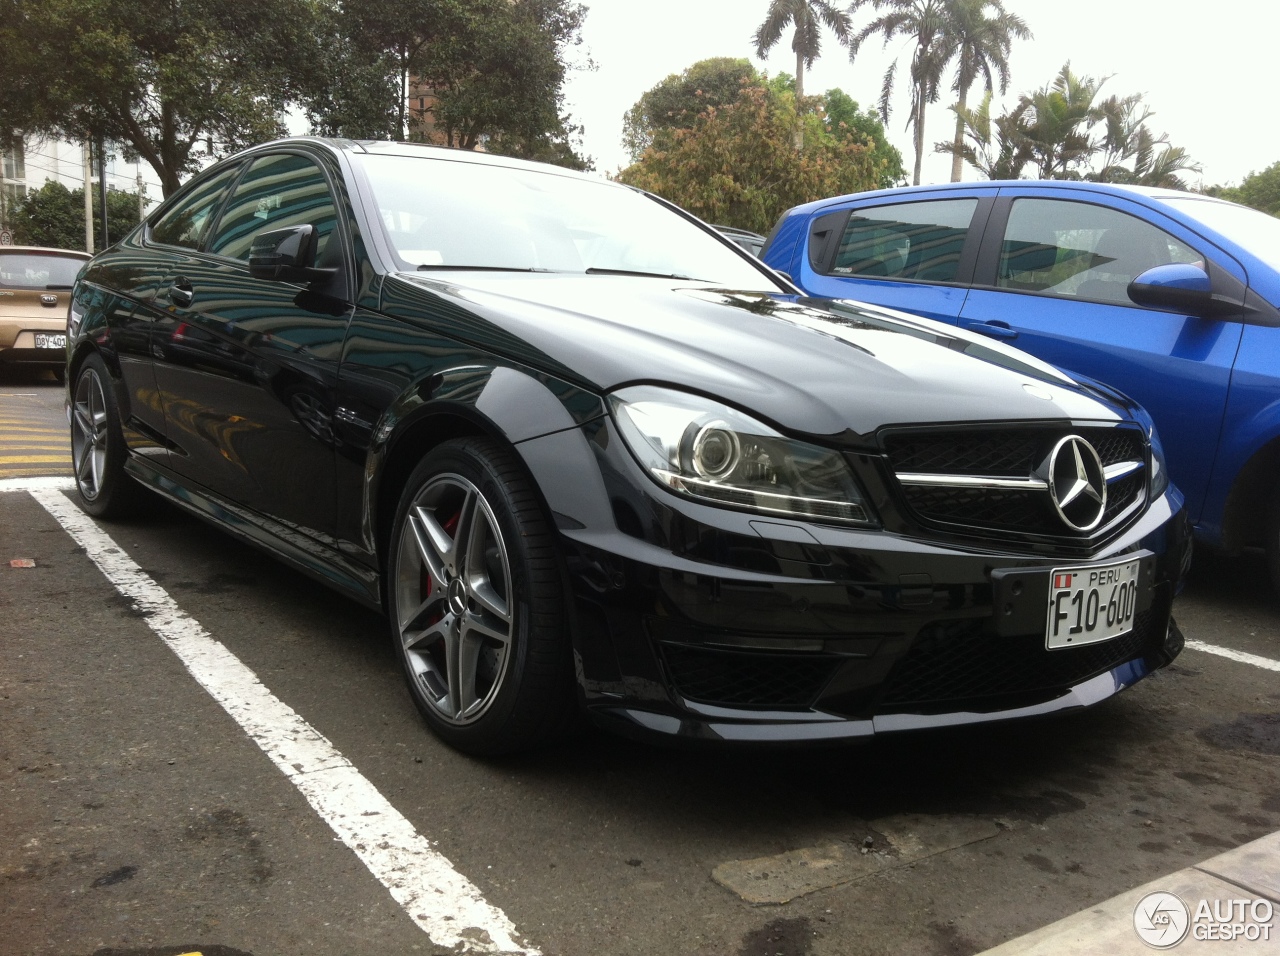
519	706
118	493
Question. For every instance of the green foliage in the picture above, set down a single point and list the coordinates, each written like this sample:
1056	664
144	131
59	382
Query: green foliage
157	77
53	215
492	72
737	165
845	121
679	99
1064	132
806	19
1259	190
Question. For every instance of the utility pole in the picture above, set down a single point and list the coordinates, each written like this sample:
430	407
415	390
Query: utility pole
88	199
102	189
142	203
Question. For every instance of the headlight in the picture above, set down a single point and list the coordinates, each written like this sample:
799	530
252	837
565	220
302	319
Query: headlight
711	452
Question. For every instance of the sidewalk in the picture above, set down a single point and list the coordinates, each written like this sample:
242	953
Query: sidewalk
1250	873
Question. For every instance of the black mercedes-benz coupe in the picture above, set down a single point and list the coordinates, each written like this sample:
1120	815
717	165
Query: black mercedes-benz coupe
587	454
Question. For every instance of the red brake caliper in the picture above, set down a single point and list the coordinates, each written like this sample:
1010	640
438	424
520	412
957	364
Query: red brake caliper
450	527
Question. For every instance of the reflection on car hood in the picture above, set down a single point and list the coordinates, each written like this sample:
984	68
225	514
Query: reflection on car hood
825	367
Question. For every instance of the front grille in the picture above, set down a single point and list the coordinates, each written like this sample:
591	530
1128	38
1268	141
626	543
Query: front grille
747	679
963	662
1016	452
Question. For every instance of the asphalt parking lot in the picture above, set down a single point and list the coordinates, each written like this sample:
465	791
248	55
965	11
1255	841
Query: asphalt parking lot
140	816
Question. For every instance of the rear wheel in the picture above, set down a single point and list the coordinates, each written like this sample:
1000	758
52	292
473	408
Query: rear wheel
475	599
98	450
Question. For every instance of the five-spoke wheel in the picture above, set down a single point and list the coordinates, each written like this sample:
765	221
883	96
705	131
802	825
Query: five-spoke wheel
475	598
97	444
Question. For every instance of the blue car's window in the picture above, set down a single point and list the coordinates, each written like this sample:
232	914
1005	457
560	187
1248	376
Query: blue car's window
1256	231
277	192
1081	250
184	225
455	214
917	240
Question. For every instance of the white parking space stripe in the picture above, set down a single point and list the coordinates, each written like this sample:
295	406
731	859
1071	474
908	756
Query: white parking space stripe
35	484
1264	662
444	903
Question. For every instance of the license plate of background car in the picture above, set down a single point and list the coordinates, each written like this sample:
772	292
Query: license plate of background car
1091	604
50	341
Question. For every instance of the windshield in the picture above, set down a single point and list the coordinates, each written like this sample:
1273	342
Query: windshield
1256	231
38	270
447	214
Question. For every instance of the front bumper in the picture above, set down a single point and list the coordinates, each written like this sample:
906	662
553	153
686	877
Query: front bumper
702	623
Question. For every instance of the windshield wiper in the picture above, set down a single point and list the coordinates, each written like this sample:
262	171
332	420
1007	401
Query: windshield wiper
453	268
633	272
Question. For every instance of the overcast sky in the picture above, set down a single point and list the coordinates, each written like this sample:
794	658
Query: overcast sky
1206	69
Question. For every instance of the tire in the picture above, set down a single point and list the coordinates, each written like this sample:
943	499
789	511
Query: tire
98	450
1272	546
476	603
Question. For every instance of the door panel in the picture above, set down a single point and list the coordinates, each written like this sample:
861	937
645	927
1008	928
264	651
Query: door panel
1060	288
247	367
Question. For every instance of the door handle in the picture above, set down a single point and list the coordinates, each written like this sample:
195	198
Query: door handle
994	328
181	294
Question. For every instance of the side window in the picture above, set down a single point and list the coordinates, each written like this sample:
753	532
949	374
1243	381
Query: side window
918	240
277	192
1080	250
185	224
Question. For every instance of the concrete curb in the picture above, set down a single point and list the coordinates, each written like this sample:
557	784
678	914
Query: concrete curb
1250	872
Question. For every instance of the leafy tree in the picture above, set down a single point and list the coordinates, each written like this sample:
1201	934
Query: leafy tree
1057	120
806	19
1259	190
928	25
157	77
982	32
53	215
678	100
491	72
845	121
994	146
502	81
1128	139
736	164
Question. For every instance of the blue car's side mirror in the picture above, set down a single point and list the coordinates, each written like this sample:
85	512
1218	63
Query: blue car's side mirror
1180	287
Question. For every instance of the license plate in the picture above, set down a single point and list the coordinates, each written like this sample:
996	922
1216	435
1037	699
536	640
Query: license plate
44	341
1091	604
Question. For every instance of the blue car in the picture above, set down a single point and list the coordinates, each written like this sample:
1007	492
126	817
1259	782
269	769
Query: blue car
1169	297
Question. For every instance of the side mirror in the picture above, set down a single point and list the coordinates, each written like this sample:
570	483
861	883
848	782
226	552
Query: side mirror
1181	287
287	255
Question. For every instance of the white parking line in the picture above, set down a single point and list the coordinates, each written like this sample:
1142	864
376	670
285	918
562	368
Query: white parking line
35	484
444	903
1264	662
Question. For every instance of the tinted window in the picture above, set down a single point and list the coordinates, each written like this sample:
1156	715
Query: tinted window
919	240
1075	249
277	192
35	270
186	222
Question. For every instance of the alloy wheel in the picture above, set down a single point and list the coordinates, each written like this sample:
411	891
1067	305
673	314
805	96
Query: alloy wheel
89	422
454	599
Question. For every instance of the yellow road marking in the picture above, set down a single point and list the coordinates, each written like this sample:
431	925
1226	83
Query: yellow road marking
20	459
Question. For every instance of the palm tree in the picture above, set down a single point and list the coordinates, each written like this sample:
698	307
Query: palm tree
982	40
1126	136
994	146
807	17
1057	121
929	24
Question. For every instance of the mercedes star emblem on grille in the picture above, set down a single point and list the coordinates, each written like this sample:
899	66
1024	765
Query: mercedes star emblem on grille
1077	483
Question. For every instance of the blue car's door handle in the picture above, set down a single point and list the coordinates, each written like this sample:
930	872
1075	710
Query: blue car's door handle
994	328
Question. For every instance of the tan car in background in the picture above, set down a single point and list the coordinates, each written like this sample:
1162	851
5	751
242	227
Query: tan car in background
35	294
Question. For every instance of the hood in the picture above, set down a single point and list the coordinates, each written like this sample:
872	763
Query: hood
810	366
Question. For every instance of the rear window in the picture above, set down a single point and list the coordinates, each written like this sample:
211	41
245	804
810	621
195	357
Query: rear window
38	270
921	241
